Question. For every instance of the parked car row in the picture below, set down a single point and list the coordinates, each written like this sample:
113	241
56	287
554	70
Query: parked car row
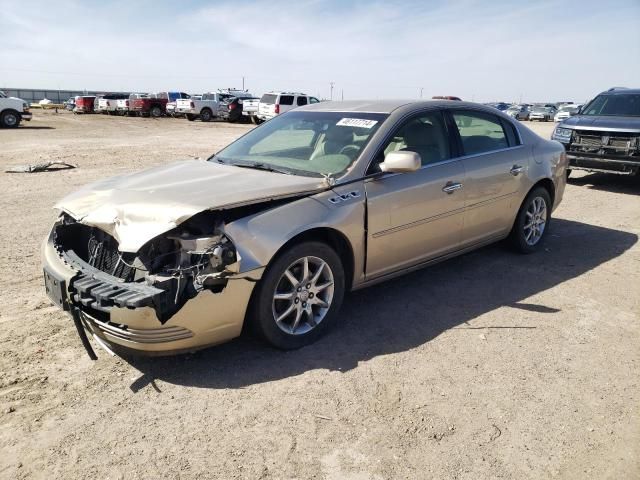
226	104
541	112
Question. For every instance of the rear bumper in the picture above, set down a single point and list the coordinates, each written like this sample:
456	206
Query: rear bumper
119	316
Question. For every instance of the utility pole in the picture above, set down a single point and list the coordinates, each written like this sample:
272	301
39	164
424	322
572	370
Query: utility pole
331	84
342	92
243	83
421	89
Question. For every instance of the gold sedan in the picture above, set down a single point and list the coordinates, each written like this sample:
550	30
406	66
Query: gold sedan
276	227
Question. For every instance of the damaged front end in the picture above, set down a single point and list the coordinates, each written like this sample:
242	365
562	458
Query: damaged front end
164	274
137	300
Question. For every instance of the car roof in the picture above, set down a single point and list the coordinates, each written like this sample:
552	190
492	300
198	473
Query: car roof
620	91
383	106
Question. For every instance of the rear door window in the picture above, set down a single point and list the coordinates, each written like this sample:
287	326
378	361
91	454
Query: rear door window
480	132
302	101
286	99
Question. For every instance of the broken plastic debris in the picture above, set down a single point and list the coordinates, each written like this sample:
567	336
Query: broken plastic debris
41	167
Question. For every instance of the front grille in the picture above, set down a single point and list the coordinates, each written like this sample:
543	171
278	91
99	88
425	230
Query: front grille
589	140
96	248
592	141
105	256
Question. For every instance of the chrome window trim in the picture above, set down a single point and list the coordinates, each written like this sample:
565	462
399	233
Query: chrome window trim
443	162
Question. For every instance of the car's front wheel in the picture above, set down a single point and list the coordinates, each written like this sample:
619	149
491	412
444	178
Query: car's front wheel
10	119
532	222
299	295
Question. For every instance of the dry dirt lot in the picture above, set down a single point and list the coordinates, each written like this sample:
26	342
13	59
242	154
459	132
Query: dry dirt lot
492	365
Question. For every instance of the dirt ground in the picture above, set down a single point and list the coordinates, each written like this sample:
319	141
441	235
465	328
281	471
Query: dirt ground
491	365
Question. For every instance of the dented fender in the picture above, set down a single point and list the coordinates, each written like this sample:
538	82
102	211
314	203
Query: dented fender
258	238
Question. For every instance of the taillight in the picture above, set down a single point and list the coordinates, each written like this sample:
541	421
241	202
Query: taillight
192	105
108	104
232	106
277	106
126	103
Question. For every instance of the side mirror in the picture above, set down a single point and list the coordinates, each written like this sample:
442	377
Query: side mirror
400	162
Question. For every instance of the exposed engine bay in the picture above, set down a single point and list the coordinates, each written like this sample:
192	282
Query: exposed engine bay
164	274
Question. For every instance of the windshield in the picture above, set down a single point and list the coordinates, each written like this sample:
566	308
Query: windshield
626	105
304	143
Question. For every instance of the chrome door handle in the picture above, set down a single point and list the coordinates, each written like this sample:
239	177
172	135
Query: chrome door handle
451	187
516	170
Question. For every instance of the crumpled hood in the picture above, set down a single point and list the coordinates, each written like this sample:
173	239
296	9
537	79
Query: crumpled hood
137	207
603	122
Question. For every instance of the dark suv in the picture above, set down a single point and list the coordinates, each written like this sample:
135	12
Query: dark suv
605	135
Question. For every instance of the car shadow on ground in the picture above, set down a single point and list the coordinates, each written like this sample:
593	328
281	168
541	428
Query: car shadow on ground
610	182
404	313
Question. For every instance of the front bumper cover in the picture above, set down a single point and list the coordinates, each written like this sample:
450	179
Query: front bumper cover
121	317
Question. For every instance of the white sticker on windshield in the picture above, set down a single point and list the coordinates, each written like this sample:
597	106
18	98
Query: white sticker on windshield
357	122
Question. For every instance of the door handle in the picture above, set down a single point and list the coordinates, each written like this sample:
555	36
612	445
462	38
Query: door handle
516	170
451	187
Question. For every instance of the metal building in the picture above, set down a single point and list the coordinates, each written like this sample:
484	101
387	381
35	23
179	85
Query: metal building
34	95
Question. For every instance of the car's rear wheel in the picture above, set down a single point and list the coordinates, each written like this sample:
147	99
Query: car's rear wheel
206	115
10	119
299	295
156	111
532	222
190	117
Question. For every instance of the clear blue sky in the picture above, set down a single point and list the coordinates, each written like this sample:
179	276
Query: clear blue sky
480	50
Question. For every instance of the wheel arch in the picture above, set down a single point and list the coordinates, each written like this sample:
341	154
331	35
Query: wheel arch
548	185
334	239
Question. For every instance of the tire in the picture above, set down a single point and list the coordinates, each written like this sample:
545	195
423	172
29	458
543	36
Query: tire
10	119
528	240
155	111
568	173
255	120
206	115
307	320
190	117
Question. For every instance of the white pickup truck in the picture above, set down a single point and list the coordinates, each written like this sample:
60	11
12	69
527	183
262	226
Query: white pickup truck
250	109
208	106
13	111
109	103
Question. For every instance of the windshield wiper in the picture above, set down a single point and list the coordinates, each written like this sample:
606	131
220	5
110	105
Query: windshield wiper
261	166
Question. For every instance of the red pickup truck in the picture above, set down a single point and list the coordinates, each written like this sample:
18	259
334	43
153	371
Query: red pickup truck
148	105
84	104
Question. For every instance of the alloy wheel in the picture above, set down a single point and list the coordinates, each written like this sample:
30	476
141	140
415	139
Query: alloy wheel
303	295
535	221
